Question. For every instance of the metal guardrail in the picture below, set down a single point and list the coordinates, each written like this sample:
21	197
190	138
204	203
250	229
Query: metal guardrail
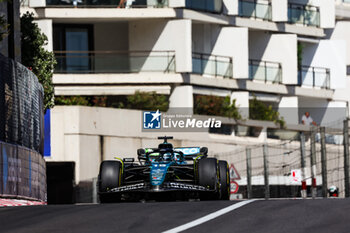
314	77
108	3
253	9
212	65
114	61
304	14
265	71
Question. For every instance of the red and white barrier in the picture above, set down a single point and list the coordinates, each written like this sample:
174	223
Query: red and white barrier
17	202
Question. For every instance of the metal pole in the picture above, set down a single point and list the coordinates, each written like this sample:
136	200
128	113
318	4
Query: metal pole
249	173
302	159
313	162
324	161
266	172
346	157
265	72
216	66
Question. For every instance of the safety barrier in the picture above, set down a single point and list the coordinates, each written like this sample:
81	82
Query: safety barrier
22	173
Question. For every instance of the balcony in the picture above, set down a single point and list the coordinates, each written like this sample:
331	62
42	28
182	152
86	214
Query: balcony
211	65
314	77
214	6
108	3
94	62
252	9
304	14
265	71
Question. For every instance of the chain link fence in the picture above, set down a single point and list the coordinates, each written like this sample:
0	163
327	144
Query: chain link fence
21	106
305	166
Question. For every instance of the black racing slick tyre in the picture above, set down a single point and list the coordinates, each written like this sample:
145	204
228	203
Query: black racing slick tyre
208	177
110	177
224	180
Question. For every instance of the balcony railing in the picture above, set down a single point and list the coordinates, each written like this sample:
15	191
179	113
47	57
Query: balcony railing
253	9
207	64
265	71
86	62
314	77
214	6
304	14
108	3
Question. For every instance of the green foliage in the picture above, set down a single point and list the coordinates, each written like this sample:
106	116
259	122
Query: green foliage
259	111
216	106
140	100
300	54
147	101
36	58
72	100
96	101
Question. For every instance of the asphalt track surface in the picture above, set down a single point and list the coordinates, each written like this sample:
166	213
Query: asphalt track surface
289	216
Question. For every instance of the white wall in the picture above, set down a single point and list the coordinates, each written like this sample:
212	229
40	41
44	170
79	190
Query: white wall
37	3
111	36
327	11
233	42
242	102
177	3
163	35
182	97
223	41
342	32
328	54
288	109
231	7
280	48
279	10
45	26
323	112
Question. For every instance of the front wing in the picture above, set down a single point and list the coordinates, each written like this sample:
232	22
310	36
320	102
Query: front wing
165	187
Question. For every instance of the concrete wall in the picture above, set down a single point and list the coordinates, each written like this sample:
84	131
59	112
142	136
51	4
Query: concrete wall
45	26
223	41
342	32
328	54
111	36
327	11
279	10
88	135
268	47
163	35
323	112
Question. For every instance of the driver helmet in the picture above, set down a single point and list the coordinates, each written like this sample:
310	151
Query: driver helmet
167	156
333	191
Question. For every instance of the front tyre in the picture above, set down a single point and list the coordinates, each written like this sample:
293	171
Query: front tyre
208	177
224	180
109	178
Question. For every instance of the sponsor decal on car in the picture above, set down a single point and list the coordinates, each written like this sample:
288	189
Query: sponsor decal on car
185	186
128	187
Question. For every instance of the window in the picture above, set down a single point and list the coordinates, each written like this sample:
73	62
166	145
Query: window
72	44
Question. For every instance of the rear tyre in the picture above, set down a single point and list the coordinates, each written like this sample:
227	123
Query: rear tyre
224	180
208	177
109	178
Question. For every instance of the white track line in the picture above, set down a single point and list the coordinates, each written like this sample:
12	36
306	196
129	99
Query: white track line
208	217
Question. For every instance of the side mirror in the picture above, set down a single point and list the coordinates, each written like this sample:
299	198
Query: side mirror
204	150
141	152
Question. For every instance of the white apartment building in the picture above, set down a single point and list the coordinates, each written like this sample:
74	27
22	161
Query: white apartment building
292	54
211	47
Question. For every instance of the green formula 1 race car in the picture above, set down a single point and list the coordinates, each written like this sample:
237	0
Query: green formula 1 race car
165	173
